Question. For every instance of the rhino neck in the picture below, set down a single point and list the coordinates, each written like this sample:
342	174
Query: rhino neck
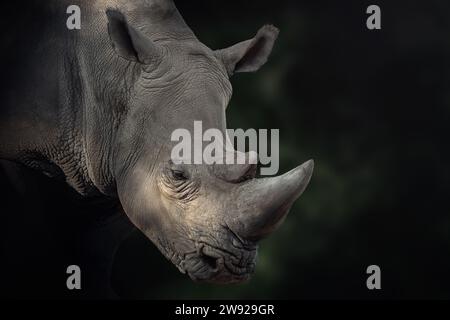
39	119
104	79
63	101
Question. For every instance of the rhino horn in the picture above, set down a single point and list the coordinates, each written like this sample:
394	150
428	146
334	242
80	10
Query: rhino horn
264	203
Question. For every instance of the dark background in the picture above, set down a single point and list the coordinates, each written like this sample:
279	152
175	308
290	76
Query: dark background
371	107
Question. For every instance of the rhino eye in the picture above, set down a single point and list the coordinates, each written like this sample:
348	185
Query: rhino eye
178	175
177	184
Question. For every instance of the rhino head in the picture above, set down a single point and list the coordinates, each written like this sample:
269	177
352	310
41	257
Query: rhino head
206	219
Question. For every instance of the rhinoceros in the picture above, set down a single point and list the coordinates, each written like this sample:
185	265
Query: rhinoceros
97	106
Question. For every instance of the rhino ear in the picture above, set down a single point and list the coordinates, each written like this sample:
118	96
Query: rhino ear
128	42
250	55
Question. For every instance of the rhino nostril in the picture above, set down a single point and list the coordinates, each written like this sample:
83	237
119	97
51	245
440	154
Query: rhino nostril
210	261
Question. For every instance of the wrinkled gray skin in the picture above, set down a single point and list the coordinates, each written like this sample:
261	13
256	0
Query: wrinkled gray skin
98	107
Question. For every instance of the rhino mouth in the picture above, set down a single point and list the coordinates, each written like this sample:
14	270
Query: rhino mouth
216	265
213	263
